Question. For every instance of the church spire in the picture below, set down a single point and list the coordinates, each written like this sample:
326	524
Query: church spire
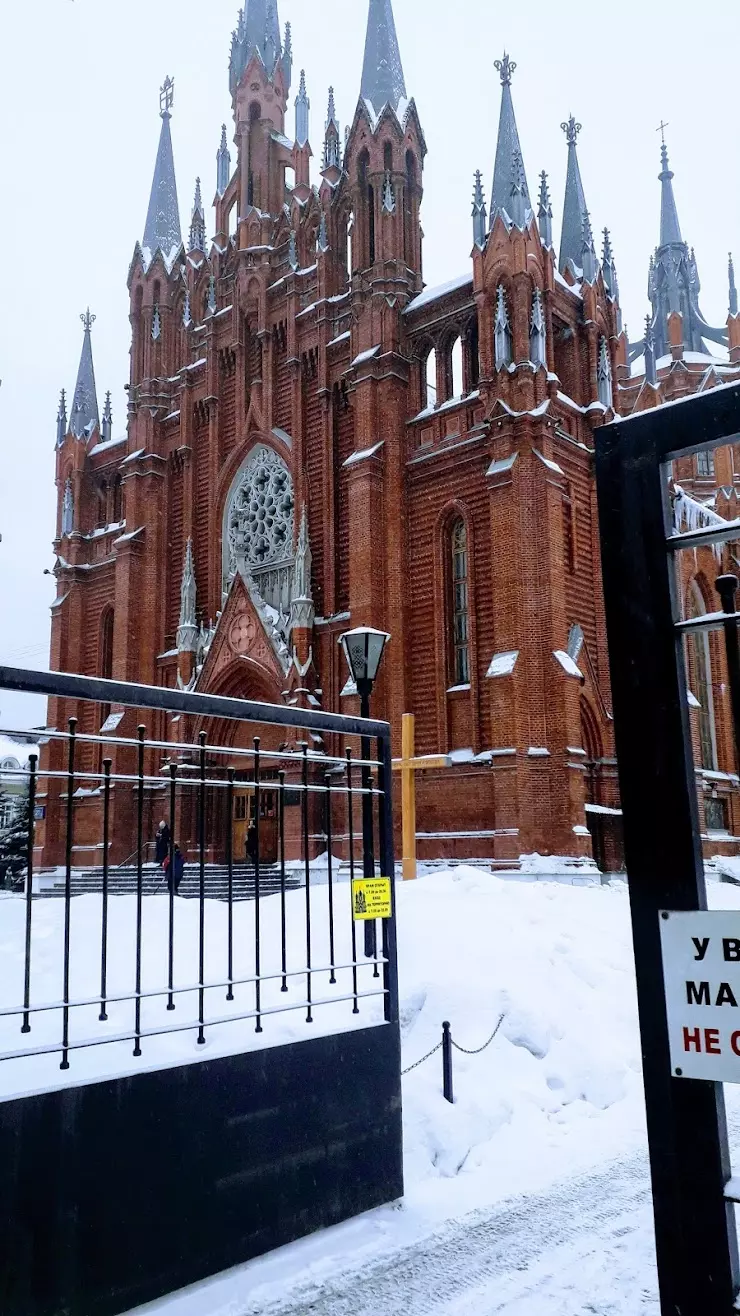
670	229
162	230
187	631
257	31
197	240
571	240
223	163
85	416
382	71
507	147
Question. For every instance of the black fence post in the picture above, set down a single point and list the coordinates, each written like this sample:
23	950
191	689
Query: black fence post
447	1063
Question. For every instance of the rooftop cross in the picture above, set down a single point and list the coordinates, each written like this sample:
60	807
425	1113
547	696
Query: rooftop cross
571	130
88	320
505	67
661	129
166	97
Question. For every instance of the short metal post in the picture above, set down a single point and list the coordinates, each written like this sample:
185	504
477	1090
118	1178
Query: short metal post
447	1063
368	847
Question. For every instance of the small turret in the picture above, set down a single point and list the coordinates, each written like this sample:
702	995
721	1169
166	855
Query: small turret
223	164
302	108
288	56
332	157
604	375
544	212
503	342
733	289
62	419
651	372
537	332
480	218
609	268
257	32
589	259
106	428
518	207
197	240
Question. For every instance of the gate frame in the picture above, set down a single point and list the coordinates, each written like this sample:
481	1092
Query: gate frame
695	1233
345	1156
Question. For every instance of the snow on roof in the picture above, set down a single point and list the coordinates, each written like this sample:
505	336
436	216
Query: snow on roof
133	456
110	443
14	755
503	664
430	295
563	397
575	288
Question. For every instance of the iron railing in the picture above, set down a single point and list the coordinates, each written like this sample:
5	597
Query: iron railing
245	964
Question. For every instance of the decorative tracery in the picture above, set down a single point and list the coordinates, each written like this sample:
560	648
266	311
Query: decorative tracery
259	527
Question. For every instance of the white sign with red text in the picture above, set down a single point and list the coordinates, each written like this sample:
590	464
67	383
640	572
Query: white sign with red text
701	973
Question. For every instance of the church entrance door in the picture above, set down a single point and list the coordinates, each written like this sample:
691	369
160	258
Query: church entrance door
245	813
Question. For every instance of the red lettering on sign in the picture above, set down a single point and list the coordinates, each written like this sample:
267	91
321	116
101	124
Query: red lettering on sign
692	1037
735	1043
711	1042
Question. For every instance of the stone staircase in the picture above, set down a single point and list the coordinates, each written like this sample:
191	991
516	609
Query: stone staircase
123	881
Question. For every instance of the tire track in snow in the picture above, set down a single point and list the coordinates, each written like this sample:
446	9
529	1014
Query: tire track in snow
534	1249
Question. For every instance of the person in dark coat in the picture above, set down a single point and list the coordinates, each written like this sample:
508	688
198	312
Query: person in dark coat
175	871
162	842
252	843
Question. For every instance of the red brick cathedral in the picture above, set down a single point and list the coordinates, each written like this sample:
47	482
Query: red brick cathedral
316	441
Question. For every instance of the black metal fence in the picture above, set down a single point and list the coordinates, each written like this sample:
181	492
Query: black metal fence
647	631
232	965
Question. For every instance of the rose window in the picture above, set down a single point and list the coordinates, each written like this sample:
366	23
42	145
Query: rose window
259	526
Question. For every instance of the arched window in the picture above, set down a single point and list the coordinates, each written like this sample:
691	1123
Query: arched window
700	680
117	500
102	492
456	369
460	603
430	378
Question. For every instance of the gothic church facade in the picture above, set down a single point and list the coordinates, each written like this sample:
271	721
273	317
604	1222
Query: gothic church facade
316	441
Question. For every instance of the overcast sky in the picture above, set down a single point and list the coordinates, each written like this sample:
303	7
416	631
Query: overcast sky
79	98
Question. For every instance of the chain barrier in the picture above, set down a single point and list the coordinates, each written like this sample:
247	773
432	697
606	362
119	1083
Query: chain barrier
416	1063
457	1046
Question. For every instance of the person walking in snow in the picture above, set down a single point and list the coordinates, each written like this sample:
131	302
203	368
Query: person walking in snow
251	844
162	842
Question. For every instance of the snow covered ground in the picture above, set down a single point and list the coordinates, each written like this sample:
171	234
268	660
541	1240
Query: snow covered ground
530	1194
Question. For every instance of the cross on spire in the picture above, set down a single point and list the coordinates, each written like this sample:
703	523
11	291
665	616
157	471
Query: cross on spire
661	129
88	320
505	67
571	130
166	97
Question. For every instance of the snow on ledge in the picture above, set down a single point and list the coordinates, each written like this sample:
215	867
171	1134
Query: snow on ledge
503	664
551	465
356	457
538	752
567	664
503	464
366	356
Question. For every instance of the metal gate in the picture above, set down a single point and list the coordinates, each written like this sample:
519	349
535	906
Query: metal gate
188	1083
695	1230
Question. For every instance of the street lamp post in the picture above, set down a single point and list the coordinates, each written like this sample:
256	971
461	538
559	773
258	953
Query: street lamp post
363	649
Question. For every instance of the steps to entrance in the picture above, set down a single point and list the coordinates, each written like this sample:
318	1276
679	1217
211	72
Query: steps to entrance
123	881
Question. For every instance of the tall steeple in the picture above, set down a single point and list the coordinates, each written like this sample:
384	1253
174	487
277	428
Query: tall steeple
382	71
162	230
223	164
674	286
574	209
507	147
257	31
85	416
670	229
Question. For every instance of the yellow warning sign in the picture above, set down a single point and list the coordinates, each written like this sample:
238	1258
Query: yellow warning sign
371	898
